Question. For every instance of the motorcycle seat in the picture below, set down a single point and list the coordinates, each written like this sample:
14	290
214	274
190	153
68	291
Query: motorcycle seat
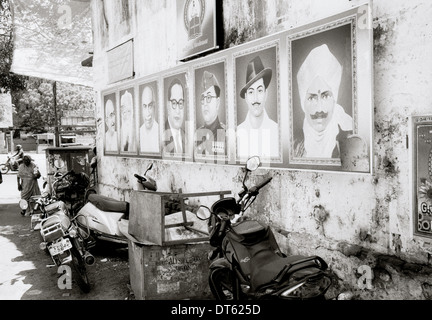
269	268
108	204
260	258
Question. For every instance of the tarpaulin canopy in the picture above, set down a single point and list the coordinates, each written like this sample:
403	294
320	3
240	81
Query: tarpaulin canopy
52	38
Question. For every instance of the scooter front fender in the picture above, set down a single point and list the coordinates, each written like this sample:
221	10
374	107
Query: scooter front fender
99	221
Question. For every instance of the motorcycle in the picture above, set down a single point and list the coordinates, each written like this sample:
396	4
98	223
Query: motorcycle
37	206
247	262
72	188
102	215
62	238
9	165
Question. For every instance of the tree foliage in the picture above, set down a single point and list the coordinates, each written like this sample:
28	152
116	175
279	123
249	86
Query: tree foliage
43	27
35	105
8	80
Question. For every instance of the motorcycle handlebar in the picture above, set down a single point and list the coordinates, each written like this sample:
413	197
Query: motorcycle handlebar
222	227
256	188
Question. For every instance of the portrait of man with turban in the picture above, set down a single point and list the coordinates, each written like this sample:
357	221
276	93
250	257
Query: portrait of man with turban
326	122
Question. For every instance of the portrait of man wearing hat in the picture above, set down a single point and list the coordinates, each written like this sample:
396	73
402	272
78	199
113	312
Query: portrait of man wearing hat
257	134
325	122
210	138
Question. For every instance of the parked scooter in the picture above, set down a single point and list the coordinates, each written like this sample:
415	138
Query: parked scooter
250	264
102	215
9	165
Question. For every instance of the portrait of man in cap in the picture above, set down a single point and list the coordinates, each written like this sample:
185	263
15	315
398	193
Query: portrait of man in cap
111	143
258	134
127	121
210	136
149	129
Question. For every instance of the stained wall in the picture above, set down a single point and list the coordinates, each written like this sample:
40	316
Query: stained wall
356	222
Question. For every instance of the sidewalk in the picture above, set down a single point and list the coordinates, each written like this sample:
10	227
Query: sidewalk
9	193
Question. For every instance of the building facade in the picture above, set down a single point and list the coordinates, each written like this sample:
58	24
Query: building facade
361	221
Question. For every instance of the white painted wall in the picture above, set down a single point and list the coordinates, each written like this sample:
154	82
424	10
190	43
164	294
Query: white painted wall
366	210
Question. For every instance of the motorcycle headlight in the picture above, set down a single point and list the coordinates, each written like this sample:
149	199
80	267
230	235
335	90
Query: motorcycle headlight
72	232
23	204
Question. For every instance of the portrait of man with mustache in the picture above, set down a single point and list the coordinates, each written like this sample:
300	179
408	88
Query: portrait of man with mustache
258	134
325	122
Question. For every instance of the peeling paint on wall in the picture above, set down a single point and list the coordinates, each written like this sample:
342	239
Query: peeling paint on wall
345	218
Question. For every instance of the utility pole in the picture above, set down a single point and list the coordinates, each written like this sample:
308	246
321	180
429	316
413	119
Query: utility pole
56	128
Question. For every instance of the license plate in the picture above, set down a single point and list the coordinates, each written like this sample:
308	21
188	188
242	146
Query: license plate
60	246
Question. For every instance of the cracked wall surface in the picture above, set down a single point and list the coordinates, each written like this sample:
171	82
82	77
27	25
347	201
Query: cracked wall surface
351	220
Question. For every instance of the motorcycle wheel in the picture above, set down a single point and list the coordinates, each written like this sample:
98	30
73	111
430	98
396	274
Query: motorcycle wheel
79	267
221	284
4	168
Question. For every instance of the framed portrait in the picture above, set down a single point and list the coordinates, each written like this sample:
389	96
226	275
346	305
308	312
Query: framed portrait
128	135
175	133
256	101
421	158
111	140
210	136
330	99
149	119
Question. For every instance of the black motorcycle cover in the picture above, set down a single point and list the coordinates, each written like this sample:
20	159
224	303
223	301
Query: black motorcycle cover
255	249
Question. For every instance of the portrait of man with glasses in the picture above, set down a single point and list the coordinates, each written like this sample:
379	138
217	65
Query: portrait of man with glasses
149	129
176	103
210	136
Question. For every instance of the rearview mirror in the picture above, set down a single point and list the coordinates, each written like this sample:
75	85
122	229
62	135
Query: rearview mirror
150	166
253	163
203	213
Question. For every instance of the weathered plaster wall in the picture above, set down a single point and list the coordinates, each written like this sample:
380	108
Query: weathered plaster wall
349	219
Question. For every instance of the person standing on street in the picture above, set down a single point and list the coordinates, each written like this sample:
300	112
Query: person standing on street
28	173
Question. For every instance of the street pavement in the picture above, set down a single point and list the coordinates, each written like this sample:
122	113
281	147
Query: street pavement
28	273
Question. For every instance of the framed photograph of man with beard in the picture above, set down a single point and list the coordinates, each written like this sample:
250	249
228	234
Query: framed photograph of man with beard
128	135
257	103
330	119
149	122
111	143
210	138
175	139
